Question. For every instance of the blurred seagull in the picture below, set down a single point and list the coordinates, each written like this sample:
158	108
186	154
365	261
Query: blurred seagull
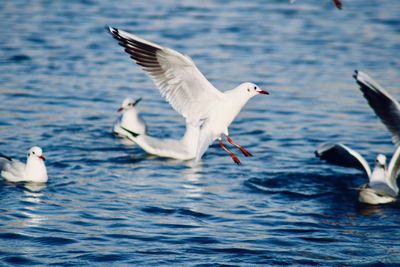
181	149
384	105
338	3
382	186
33	171
189	92
129	118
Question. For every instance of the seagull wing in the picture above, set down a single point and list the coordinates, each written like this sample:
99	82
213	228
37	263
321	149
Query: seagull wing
11	169
384	105
393	170
341	155
4	161
176	76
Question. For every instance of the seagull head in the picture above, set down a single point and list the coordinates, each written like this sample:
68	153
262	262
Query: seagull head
380	160
36	152
252	89
129	103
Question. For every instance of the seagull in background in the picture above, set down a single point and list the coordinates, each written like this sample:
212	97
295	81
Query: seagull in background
189	92
129	118
382	185
33	171
133	129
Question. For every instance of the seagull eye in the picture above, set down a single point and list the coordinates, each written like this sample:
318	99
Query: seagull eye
33	152
255	87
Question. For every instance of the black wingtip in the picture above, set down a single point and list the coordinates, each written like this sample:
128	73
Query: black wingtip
111	30
137	101
355	75
130	132
6	157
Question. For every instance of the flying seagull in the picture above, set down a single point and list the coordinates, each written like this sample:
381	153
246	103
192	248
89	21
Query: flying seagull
189	92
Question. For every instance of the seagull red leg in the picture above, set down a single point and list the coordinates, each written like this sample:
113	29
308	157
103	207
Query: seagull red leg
233	156
244	151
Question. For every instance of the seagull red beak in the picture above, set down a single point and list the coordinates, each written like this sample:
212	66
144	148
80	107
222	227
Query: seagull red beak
42	157
120	109
263	92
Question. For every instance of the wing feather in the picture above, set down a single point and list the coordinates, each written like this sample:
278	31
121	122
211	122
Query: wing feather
341	155
384	105
176	76
393	169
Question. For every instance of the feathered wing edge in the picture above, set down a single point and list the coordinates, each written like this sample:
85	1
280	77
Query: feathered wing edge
341	155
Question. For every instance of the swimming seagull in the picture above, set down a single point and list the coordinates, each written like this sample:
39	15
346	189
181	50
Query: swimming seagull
33	171
385	106
181	149
189	92
129	118
338	3
382	186
132	128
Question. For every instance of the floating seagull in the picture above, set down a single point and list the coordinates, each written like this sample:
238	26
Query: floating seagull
132	128
33	171
382	186
129	118
338	3
182	149
384	105
189	92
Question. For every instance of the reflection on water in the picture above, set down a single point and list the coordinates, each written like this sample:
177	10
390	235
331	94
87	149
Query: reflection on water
192	181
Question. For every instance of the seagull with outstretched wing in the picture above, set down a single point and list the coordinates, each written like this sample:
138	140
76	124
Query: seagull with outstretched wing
187	90
382	185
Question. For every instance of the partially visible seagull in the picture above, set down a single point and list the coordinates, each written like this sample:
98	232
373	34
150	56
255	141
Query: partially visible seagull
129	118
338	3
385	106
33	171
382	186
189	92
181	149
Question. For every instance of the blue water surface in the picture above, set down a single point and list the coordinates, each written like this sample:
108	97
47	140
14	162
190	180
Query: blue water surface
62	77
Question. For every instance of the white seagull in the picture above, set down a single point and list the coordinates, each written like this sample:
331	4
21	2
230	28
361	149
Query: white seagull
382	186
385	106
188	91
181	149
129	118
33	171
